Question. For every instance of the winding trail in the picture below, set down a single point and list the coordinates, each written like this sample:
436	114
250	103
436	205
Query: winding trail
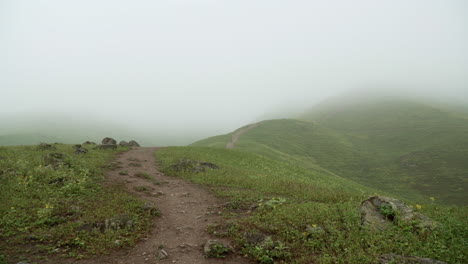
235	136
187	209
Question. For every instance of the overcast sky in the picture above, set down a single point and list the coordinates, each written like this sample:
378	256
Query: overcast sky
222	64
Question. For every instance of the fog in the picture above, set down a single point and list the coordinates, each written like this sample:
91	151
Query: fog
207	67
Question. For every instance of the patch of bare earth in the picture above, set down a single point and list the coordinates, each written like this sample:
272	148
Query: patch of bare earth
187	210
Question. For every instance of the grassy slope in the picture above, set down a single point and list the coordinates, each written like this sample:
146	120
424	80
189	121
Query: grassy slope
410	149
42	207
406	144
310	217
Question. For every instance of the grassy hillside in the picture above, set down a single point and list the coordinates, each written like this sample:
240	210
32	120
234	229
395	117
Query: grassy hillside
407	148
308	217
420	146
46	209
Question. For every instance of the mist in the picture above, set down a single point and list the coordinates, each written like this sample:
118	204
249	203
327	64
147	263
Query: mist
184	70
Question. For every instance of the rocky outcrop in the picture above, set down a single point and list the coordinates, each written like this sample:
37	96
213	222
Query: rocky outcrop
133	143
392	258
196	166
378	212
89	143
108	141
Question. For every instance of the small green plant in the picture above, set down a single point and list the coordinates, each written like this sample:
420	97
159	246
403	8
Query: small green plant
269	251
61	206
123	173
218	250
387	211
3	259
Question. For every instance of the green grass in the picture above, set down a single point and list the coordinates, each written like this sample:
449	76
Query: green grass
42	208
413	150
285	202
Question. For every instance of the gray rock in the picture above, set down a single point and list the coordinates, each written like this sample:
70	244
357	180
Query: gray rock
108	141
162	254
196	166
397	259
106	146
79	149
89	143
123	143
379	212
133	143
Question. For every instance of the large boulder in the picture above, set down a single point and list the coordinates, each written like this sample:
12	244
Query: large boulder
196	166
392	258
123	143
379	212
106	146
108	141
133	143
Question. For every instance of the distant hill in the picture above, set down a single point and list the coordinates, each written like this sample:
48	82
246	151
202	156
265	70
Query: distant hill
35	128
411	149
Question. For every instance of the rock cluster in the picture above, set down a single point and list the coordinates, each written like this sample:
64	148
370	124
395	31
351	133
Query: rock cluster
110	143
196	166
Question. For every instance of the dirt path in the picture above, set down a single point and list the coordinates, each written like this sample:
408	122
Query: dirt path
187	211
236	136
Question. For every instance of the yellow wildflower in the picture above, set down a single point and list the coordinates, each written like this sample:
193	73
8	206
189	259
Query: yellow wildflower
432	198
418	206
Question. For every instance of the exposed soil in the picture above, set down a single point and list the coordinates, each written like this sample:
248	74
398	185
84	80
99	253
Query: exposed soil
236	135
187	209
